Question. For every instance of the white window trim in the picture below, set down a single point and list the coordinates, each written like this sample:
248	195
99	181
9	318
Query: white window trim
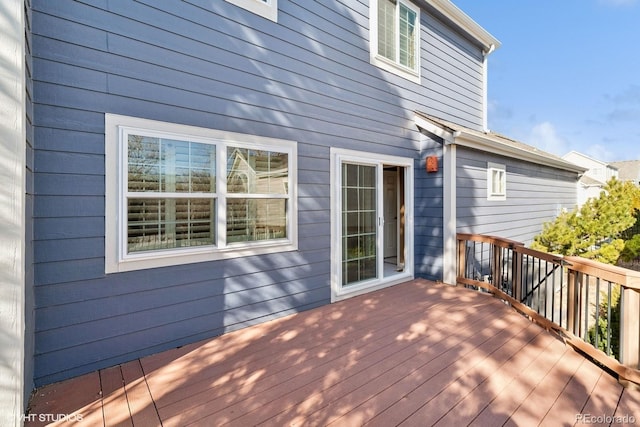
116	258
267	9
491	168
385	63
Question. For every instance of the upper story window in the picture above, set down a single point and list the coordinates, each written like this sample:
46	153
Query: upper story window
496	182
178	194
264	8
395	37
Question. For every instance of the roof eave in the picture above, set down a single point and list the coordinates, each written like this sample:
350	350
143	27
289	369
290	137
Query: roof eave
451	133
464	21
439	130
494	146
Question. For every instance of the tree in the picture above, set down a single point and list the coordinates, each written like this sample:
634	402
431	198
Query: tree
593	231
631	251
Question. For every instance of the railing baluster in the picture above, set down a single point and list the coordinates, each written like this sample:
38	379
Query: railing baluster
481	260
579	306
553	294
526	281
571	301
470	259
546	289
609	320
537	287
596	326
514	272
474	267
562	273
542	283
587	290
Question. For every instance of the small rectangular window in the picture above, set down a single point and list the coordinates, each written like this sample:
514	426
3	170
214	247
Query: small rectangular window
496	182
395	37
178	194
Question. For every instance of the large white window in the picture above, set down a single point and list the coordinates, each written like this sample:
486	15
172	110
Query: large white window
496	182
265	8
395	37
178	194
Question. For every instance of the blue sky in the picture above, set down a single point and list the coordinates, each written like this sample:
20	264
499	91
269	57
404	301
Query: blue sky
567	76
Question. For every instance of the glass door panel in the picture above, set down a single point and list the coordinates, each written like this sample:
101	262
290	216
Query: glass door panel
359	223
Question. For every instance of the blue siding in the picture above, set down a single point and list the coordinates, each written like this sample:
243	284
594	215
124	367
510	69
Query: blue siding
535	195
429	215
210	64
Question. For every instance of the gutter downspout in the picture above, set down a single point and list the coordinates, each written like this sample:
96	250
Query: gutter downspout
485	87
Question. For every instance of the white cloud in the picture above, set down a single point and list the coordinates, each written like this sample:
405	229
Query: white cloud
599	152
545	137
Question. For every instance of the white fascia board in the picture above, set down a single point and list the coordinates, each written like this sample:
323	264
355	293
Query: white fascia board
570	155
494	146
464	21
447	135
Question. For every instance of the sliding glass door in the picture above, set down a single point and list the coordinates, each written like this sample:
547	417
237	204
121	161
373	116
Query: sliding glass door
359	223
372	239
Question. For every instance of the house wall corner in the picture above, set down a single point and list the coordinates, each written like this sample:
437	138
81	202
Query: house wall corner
13	155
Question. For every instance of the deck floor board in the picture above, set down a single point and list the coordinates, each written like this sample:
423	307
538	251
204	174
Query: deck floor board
415	354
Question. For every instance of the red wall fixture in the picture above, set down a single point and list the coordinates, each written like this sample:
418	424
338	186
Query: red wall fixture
432	164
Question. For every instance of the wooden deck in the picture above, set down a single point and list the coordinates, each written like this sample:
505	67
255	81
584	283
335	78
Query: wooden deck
416	354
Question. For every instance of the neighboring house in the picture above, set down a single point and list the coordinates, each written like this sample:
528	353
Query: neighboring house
181	169
594	179
628	170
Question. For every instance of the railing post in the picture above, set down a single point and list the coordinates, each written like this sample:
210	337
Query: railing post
630	328
496	268
549	288
573	302
462	259
517	274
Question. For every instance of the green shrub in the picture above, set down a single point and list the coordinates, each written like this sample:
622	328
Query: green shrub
631	249
602	326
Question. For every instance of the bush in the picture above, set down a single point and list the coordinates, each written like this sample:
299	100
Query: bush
602	326
631	250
